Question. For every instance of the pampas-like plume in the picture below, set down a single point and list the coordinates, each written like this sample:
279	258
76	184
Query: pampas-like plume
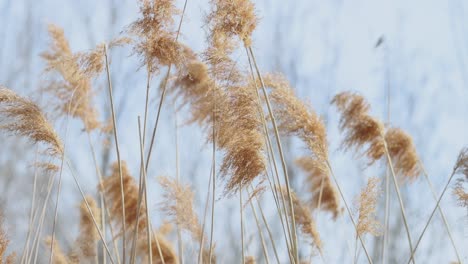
461	166
156	38
296	118
367	221
460	193
240	135
85	247
22	117
73	91
366	132
167	250
233	18
197	89
178	204
59	257
403	152
361	130
304	220
111	190
330	200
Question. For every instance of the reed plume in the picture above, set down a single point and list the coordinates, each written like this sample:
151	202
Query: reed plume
244	146
460	193
199	91
367	221
73	91
228	19
85	247
59	256
317	177
167	250
22	117
403	152
461	167
298	119
178	204
111	190
360	129
232	18
304	220
155	36
363	131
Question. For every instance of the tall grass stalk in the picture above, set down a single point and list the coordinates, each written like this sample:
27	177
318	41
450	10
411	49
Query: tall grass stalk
117	149
291	228
397	189
432	215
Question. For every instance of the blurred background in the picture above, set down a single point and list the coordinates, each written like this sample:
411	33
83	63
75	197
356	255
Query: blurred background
408	58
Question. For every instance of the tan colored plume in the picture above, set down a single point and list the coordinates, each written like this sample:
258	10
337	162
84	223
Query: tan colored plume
317	177
72	90
111	189
22	117
367	220
85	247
59	257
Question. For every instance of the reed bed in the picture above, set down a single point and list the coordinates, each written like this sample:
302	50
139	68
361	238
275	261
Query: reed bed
244	114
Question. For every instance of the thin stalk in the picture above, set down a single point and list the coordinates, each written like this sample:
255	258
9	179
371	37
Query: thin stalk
179	234
264	248
148	230
447	226
31	212
89	209
163	93
272	159
104	207
400	200
369	259
432	215
387	215
59	187
214	176
242	223
35	242
202	238
116	138
283	161
268	229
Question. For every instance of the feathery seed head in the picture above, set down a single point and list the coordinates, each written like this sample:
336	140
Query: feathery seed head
367	221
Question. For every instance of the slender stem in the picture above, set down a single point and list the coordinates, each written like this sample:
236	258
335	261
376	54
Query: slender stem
59	187
202	238
271	159
400	200
96	225
432	215
31	212
387	215
447	226
242	222
214	177
283	161
264	248
369	259
268	229
148	230
179	234
116	138
163	93
105	208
